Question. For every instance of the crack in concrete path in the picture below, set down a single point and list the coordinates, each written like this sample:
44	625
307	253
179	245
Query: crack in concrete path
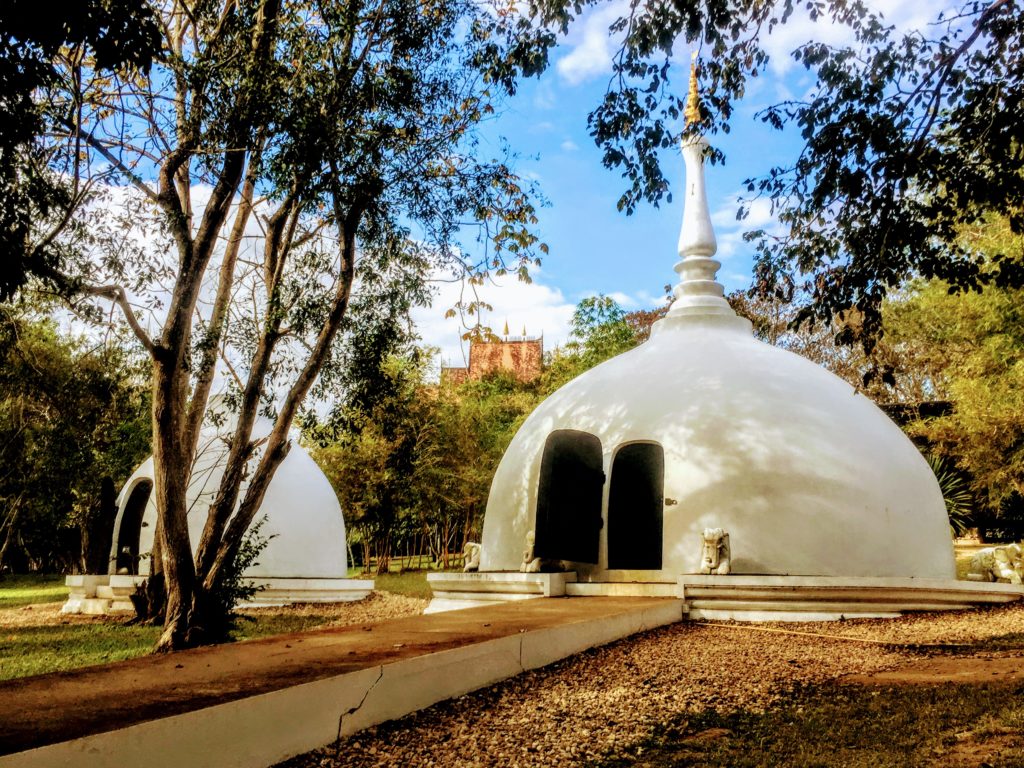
357	707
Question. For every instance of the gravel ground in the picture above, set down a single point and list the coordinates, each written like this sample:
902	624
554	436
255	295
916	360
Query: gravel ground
377	606
601	701
927	628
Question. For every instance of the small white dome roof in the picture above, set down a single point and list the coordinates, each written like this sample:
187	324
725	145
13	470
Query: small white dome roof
806	475
304	519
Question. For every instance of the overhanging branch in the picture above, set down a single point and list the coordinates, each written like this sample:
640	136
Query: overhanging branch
117	295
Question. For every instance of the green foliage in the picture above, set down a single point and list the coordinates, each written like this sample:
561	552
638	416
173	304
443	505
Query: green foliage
71	413
413	466
233	587
975	360
369	450
956	493
116	35
599	330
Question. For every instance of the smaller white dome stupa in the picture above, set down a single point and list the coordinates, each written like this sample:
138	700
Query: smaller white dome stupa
620	472
304	524
305	558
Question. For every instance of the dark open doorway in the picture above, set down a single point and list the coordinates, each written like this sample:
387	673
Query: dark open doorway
131	527
636	506
569	498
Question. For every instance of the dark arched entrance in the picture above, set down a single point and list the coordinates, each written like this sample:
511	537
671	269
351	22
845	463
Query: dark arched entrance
569	498
131	527
636	506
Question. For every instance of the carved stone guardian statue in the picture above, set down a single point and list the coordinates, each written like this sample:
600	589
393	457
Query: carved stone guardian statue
715	552
1005	563
471	556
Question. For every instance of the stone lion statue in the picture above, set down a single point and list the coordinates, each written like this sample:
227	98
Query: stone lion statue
715	553
1005	563
471	556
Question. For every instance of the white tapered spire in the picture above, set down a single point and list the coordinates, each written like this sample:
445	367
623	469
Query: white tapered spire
698	291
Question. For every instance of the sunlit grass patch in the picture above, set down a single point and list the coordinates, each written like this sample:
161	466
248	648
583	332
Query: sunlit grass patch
16	591
35	650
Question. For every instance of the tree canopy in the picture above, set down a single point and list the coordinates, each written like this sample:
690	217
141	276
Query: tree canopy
72	412
909	137
276	161
115	36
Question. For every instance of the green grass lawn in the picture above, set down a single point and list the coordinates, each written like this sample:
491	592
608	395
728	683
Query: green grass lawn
410	584
32	648
16	591
35	650
843	727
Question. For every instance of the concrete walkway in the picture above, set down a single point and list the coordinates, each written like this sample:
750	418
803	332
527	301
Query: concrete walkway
255	703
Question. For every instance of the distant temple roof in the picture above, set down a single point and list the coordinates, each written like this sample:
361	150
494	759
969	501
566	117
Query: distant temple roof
522	356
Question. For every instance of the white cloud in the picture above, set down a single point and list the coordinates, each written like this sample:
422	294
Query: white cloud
543	99
541	309
591	44
800	29
569	146
759	213
729	230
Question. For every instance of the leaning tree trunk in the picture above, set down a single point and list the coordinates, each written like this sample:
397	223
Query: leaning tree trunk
171	469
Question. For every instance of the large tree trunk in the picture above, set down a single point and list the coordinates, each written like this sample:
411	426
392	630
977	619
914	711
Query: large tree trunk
223	533
171	469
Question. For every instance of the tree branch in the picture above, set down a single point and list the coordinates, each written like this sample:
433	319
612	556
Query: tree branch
116	294
98	145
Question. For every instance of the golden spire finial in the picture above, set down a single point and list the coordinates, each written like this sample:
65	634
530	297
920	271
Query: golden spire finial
692	112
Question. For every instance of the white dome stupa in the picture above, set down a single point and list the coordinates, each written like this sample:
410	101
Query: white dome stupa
305	557
706	427
710	466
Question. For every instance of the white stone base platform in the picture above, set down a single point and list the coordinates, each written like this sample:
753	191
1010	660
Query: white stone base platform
830	598
456	591
736	597
111	594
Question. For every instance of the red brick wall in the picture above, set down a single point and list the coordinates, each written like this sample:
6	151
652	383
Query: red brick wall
522	358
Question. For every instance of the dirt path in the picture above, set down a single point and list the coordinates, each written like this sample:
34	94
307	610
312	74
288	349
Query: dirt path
988	668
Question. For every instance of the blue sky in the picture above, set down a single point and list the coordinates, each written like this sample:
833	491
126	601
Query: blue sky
593	247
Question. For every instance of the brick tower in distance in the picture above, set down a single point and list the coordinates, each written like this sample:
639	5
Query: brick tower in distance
522	356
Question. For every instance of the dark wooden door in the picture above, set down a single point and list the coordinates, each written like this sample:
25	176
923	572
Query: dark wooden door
131	528
569	498
636	507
